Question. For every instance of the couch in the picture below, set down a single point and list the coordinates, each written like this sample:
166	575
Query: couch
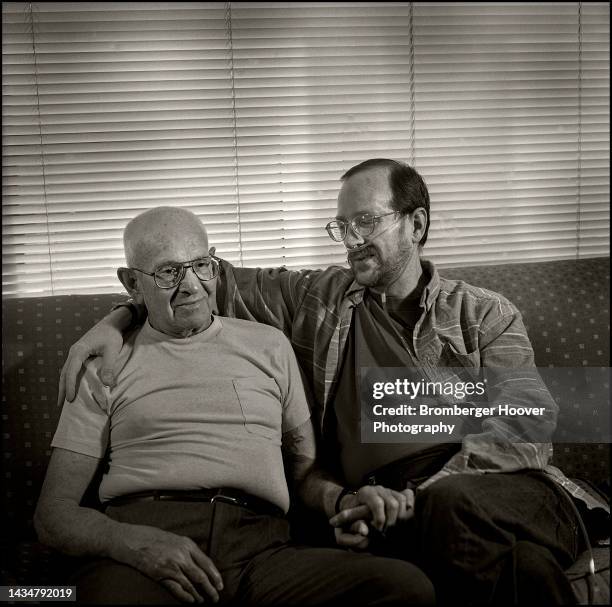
564	305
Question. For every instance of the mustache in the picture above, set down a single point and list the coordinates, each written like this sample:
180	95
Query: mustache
359	250
367	245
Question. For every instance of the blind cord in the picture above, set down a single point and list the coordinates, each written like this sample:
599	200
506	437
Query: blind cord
579	205
230	40
30	17
411	77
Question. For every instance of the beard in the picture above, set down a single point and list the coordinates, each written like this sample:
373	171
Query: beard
379	273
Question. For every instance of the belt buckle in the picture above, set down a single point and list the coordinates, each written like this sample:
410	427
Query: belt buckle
220	497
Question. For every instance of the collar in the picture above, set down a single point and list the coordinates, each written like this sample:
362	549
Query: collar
430	292
150	334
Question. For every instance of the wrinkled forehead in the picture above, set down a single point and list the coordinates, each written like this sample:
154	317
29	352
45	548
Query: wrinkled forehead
365	192
170	243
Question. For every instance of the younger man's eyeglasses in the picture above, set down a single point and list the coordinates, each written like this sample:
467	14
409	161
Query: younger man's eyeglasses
363	225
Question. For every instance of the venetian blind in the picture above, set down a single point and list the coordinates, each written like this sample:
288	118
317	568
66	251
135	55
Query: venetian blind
248	113
319	88
594	167
109	109
511	123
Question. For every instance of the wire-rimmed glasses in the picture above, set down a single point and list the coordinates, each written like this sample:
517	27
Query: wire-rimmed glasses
170	274
363	225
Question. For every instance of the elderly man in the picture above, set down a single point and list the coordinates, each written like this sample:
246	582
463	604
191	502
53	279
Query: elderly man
487	517
195	430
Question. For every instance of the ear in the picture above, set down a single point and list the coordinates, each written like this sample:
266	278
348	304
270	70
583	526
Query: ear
211	251
214	306
130	281
419	224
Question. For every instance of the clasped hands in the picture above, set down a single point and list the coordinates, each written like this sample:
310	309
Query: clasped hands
373	506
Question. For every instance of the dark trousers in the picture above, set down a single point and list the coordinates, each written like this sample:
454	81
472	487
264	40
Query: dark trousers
258	563
497	539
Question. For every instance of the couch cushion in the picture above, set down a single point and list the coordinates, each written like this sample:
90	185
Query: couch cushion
565	307
37	333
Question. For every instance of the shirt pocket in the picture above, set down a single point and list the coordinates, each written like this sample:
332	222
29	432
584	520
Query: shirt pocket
451	357
455	366
260	402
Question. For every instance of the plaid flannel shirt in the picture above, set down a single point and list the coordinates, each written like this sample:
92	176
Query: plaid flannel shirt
461	325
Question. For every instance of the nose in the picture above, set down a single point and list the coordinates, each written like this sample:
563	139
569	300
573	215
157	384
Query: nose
190	282
353	240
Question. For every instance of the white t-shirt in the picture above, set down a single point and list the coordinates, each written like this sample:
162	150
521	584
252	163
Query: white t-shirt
188	413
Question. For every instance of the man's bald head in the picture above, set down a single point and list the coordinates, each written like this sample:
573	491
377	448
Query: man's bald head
153	240
150	231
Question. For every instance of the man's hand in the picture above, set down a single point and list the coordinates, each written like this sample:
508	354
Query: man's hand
354	536
385	507
173	560
103	339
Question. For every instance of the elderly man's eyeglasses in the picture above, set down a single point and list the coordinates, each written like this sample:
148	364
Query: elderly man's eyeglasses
170	274
362	225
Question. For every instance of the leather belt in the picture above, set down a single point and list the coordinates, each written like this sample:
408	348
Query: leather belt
234	497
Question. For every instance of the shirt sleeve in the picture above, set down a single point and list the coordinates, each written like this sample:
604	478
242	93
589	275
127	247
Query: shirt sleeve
84	424
270	295
506	443
294	401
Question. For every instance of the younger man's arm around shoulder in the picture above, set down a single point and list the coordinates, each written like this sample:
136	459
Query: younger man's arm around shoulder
175	562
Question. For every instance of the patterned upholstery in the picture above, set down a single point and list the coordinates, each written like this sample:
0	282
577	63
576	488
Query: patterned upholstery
37	333
566	309
564	304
